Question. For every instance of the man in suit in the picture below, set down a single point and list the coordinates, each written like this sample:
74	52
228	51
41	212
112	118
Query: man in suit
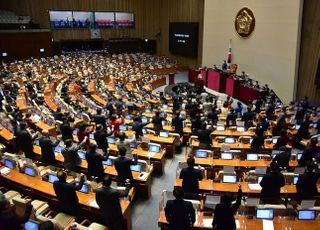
66	193
309	153
190	177
204	136
271	184
225	211
94	159
66	130
47	148
70	154
137	126
307	183
100	136
9	220
100	119
108	200
177	122
122	165
179	213
58	116
24	141
283	158
157	122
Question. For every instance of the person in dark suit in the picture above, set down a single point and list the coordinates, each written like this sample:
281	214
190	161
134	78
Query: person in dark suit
137	126
70	154
177	122
9	220
47	148
66	193
108	200
258	139
190	177
283	158
66	130
282	140
271	184
307	184
24	141
122	165
248	117
58	116
100	119
303	131
157	122
94	159
100	136
204	136
179	213
231	117
309	153
225	211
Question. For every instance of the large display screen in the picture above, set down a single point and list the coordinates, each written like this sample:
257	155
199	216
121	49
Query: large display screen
124	20
82	19
183	38
104	20
60	19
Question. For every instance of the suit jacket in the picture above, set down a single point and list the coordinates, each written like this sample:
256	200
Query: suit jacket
190	179
66	194
307	185
108	200
66	131
157	123
100	137
100	119
95	166
307	155
24	142
271	184
177	122
122	165
13	222
180	214
137	126
71	157
282	159
47	150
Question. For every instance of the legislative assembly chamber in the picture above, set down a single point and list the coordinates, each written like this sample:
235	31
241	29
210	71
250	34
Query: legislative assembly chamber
159	114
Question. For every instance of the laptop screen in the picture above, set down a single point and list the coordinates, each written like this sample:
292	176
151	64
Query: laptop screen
164	134
29	171
266	214
82	154
295	180
229	140
240	128
144	131
165	106
299	156
78	115
220	128
58	149
135	168
36	118
252	157
91	136
226	156
111	140
74	132
154	148
229	179
52	178
259	179
133	145
31	225
147	111
107	162
307	214
49	122
37	142
123	127
297	127
274	140
201	154
144	120
85	188
8	163
127	117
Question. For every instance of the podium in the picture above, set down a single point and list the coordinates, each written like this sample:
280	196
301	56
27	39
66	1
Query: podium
232	87
216	81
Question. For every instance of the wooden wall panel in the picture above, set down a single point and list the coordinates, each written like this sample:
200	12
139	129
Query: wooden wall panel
309	51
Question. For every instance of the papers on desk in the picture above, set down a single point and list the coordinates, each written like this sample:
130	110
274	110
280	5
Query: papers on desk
151	154
254	187
207	222
5	171
267	224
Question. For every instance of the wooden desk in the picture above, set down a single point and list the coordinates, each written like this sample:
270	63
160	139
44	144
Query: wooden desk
166	142
245	223
6	136
35	186
52	129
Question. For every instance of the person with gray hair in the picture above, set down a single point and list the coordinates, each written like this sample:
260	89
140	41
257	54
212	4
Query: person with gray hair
9	220
47	148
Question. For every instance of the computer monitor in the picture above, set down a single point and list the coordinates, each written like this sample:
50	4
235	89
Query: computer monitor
52	178
296	108
306	214
163	123
93	107
139	102
85	188
163	134
240	128
36	118
252	156
49	122
259	179
226	156
144	131
74	132
111	140
297	127
123	127
29	171
82	154
58	149
32	225
135	168
164	106
108	162
78	115
295	179
37	142
229	140
201	154
231	179
274	140
127	117
144	120
9	163
148	111
220	128
318	138
91	136
264	214
133	145
154	148
315	126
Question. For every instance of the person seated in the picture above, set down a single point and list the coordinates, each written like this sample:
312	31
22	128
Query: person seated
58	115
307	183
190	177
271	184
8	220
180	214
225	211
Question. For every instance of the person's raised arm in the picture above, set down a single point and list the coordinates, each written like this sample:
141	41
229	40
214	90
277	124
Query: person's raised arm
80	184
236	205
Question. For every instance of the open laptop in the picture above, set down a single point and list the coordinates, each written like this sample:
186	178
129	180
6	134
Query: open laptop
133	145
144	120
82	154
231	179
37	142
32	225
52	178
58	149
123	127
163	134
260	170
85	188
297	127
9	163
111	140
201	154
49	122
274	140
226	156
148	111
29	171
220	128
240	128
229	140
299	154
164	106
91	136
36	118
154	148
136	168
306	214
252	156
74	132
264	214
108	162
307	204
127	117
295	179
259	179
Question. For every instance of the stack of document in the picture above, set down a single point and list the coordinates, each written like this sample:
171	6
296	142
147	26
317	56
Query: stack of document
254	186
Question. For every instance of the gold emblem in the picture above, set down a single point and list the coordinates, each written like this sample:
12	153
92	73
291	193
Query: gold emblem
244	22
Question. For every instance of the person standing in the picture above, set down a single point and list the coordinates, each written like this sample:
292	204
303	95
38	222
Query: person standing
47	148
122	165
70	154
190	177
94	160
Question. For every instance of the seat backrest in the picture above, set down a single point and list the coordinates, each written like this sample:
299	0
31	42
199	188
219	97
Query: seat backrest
228	169
260	170
225	148
252	202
